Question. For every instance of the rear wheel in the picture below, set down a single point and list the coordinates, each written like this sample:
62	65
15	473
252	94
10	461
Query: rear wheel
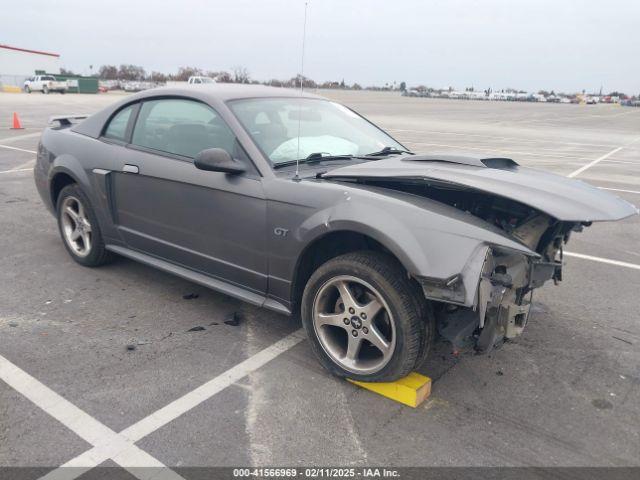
365	319
79	228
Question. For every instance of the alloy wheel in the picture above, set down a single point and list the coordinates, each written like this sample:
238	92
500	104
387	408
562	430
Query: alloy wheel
354	324
76	226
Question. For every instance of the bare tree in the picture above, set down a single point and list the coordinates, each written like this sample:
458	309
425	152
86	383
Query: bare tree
224	77
158	77
185	72
108	72
240	75
131	72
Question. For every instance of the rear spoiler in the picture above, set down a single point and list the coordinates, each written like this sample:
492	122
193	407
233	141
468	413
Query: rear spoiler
65	120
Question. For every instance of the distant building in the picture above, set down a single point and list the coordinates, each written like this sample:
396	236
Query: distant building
17	64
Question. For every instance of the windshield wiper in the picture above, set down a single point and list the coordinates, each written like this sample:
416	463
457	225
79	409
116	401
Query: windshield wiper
388	151
316	157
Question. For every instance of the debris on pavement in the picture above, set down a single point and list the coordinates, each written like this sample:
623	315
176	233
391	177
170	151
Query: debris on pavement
13	324
190	296
500	373
196	329
602	404
131	347
622	339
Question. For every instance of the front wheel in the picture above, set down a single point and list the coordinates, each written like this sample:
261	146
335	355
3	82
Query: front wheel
45	90
365	320
79	228
27	89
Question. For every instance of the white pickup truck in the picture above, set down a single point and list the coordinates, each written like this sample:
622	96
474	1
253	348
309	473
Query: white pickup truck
44	84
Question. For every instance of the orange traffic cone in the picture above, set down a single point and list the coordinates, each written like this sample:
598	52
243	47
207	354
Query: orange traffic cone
16	122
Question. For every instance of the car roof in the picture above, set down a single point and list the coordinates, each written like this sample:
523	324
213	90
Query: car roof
225	91
211	93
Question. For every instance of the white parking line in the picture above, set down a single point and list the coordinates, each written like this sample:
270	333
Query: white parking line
596	161
18	149
603	260
619	190
110	448
78	421
17	170
20	137
599	159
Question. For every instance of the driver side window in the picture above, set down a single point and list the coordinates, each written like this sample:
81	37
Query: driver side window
181	127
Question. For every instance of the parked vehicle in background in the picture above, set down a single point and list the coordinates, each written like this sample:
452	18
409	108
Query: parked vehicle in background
629	102
411	93
197	80
45	84
137	86
109	84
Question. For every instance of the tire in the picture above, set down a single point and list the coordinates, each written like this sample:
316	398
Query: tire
27	89
88	247
45	90
404	322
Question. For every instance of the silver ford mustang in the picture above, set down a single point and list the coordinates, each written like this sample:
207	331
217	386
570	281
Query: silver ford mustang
300	205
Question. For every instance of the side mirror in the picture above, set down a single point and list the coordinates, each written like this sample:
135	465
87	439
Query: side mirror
218	160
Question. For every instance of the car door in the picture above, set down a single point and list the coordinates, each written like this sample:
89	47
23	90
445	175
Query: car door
211	222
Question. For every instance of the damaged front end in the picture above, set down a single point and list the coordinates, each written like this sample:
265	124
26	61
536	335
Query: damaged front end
489	298
504	278
504	288
502	300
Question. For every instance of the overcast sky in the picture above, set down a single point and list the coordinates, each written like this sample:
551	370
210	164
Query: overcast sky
563	44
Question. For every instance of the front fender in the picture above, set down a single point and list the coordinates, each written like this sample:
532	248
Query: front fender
432	241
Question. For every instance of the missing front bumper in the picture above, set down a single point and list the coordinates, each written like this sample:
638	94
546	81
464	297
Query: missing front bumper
503	301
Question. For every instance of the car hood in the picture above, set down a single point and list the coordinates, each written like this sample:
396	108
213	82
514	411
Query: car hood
560	197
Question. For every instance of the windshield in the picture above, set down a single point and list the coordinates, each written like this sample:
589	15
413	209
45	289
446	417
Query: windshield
325	127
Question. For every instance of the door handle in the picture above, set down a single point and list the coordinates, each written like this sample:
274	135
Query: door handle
130	168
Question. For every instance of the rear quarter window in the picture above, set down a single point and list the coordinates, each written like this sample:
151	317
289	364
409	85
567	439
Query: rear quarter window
117	128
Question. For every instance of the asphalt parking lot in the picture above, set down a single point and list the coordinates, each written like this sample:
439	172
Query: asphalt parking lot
566	393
